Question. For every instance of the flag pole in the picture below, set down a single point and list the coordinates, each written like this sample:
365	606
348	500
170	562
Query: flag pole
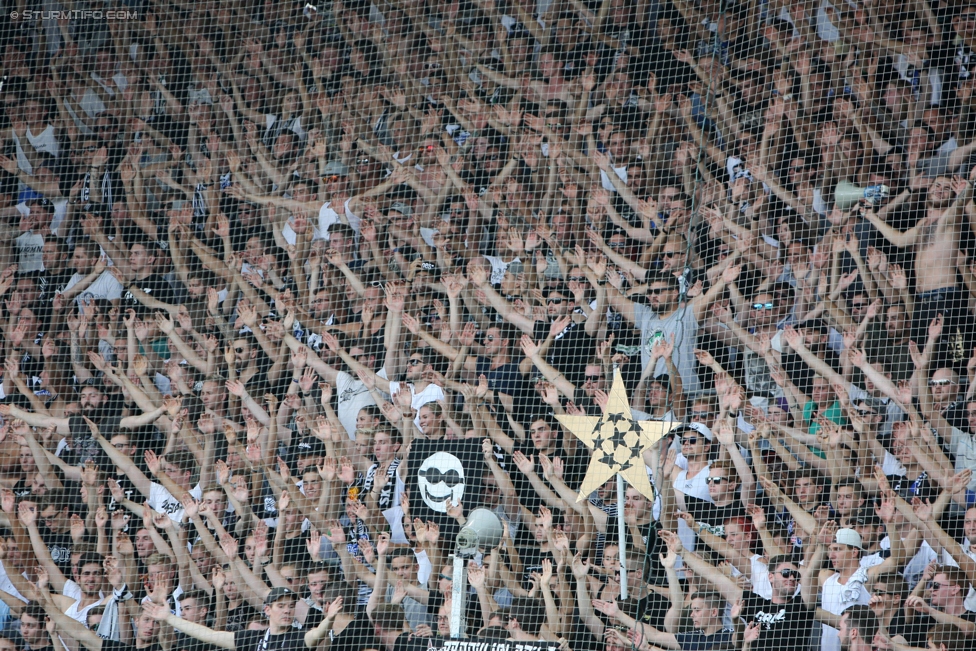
622	535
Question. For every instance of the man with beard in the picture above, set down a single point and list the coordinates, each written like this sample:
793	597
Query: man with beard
947	414
91	278
82	447
56	275
936	238
785	619
858	625
890	347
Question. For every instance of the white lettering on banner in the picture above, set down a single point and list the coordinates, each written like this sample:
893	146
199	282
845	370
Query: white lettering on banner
472	645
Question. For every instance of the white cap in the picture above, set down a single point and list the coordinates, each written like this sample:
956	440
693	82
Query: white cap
702	429
848	537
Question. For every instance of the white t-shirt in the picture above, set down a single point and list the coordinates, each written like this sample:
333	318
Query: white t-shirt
327	217
29	248
105	286
431	393
963	447
352	397
761	585
162	501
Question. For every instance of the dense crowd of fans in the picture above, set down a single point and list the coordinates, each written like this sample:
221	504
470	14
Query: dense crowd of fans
289	289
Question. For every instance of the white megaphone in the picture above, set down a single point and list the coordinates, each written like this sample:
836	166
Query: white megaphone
846	194
483	530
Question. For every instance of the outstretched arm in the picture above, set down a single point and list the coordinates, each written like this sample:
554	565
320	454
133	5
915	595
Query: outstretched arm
223	639
35	420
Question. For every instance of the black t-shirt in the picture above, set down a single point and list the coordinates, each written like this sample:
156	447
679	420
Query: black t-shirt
652	609
574	468
50	283
920	487
129	490
295	550
569	348
183	642
293	640
154	285
505	379
238	618
532	558
114	645
59	545
359	634
897	626
84	446
712	515
698	641
782	625
410	642
916	632
22	487
313	618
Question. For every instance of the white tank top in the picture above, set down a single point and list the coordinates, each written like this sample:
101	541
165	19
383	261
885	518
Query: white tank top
81	616
695	486
835	598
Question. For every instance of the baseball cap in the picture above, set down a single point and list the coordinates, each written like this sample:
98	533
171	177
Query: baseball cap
865	516
702	429
402	208
310	447
697	428
334	167
848	537
278	593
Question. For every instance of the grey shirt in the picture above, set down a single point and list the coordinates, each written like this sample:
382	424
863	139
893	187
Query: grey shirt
684	326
